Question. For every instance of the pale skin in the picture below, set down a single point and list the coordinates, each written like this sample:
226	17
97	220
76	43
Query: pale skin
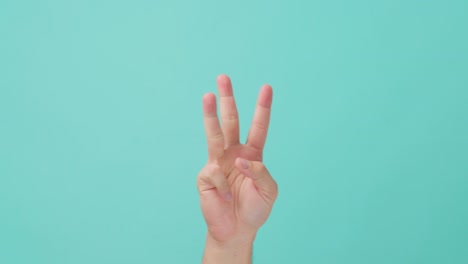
236	190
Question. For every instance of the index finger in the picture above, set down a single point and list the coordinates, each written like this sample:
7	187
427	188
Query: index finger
214	134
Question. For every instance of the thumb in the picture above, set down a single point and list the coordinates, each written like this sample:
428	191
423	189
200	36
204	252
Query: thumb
257	171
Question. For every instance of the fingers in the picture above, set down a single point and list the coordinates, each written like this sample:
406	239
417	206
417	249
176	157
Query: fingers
211	177
229	114
256	171
258	131
214	134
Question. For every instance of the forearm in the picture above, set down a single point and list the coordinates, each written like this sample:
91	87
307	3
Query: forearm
238	251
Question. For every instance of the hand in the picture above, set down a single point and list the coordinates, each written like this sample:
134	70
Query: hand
236	190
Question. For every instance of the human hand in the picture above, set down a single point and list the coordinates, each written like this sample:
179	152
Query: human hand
236	190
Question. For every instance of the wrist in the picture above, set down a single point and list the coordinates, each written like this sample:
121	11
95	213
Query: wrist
236	250
239	241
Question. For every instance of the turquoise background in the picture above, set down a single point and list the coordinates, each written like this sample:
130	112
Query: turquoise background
101	134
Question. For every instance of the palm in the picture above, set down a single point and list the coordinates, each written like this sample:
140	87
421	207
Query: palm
250	206
225	218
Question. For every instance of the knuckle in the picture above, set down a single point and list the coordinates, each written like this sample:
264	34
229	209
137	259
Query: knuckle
216	136
261	166
230	117
260	125
211	171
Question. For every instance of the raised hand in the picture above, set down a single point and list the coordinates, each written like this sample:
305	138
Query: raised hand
236	190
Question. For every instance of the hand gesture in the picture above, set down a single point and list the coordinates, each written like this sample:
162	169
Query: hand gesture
236	190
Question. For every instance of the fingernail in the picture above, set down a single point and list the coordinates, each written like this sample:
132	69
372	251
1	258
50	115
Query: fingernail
228	197
244	163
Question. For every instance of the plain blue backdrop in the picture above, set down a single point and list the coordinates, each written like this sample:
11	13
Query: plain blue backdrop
101	134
